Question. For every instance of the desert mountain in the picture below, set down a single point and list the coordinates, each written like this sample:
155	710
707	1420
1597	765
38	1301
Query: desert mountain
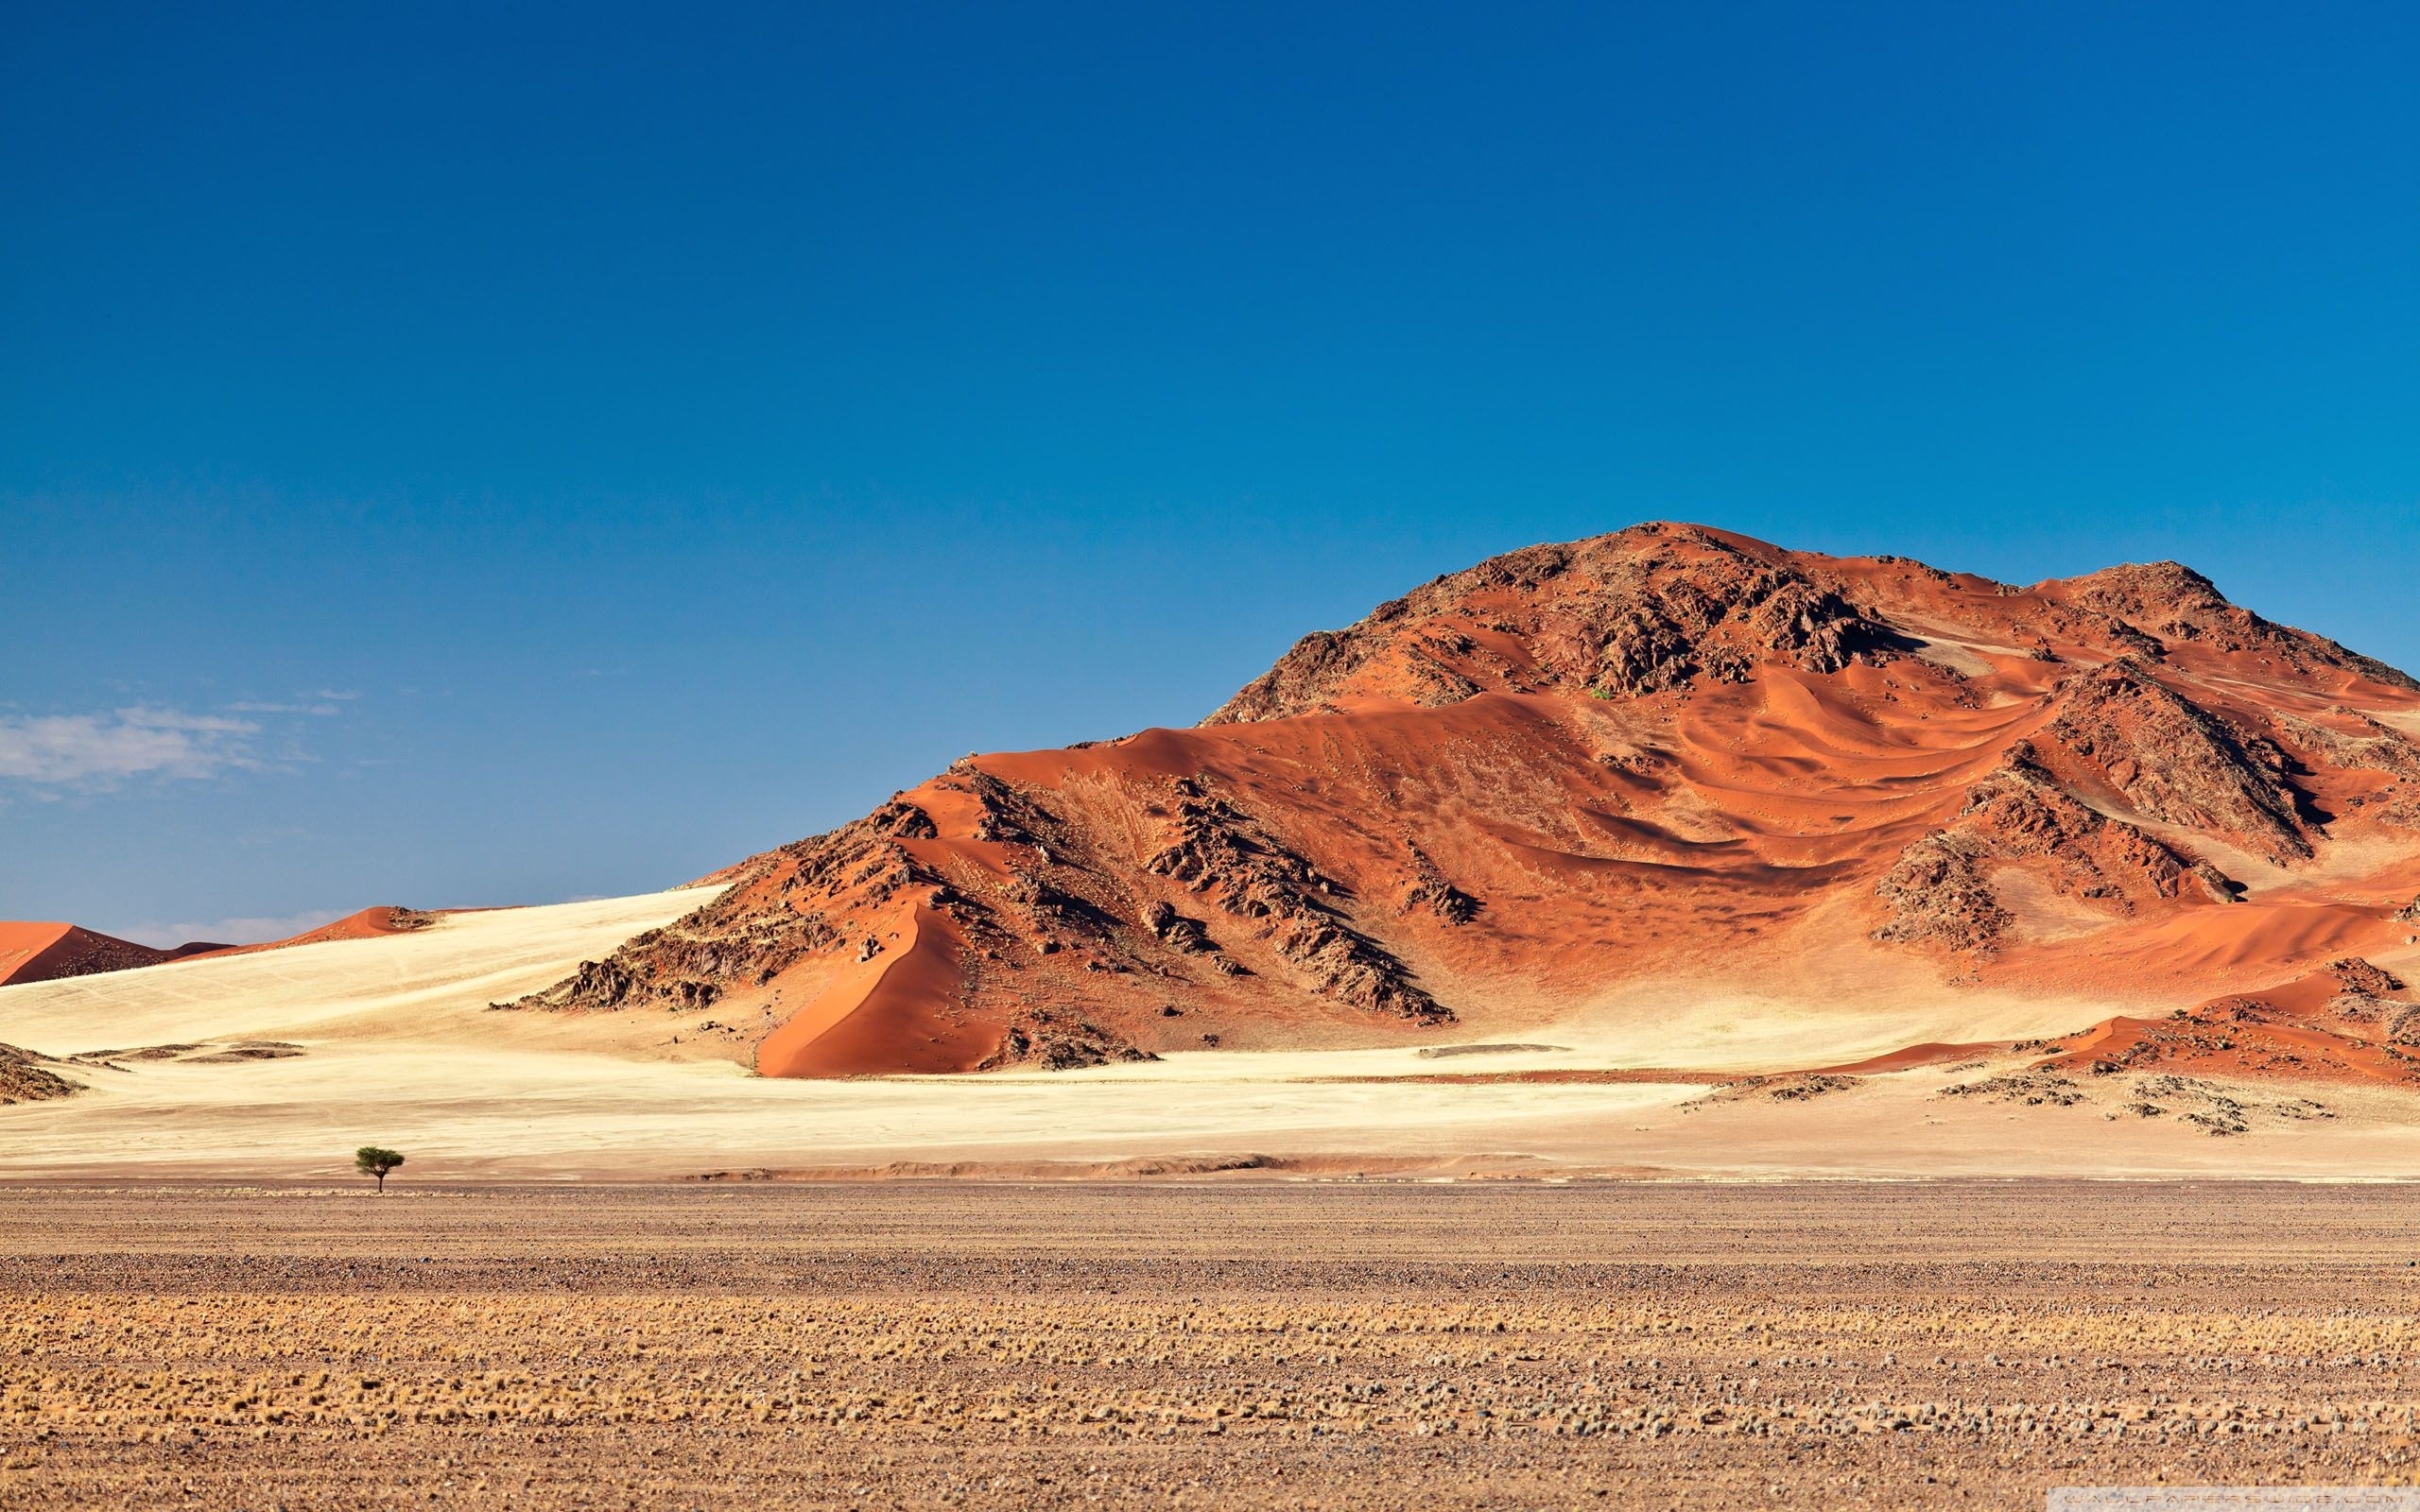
1669	755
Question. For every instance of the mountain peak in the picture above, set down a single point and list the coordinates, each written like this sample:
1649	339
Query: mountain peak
1653	609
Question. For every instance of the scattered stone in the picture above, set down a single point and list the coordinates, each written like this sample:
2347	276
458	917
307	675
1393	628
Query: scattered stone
26	1076
1788	1087
2034	1088
1060	1041
1449	1052
1430	890
1937	894
247	1050
1188	936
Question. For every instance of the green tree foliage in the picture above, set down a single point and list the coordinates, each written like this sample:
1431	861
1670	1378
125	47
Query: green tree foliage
372	1161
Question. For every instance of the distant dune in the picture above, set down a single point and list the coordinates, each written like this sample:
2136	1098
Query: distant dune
45	952
32	951
367	923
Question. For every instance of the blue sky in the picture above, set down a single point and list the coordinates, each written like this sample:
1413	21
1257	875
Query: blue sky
466	455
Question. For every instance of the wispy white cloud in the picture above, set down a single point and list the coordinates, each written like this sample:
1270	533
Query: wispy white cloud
255	930
98	750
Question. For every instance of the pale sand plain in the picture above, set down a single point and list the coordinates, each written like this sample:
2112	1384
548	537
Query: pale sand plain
392	1040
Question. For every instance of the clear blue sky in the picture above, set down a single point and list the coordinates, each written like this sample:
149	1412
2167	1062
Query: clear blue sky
509	453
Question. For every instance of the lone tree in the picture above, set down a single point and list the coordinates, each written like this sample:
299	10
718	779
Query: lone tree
372	1161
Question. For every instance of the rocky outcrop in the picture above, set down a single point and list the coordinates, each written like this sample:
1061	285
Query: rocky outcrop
1050	1041
2174	605
1176	931
1431	892
2368	746
779	910
2354	974
1940	893
1319	662
1937	894
2020	813
27	1077
2172	760
1218	852
1653	609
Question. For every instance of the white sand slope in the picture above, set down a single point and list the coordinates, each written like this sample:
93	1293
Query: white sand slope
396	984
398	1046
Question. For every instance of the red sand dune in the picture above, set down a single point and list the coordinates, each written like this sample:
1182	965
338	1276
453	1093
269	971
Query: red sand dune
367	923
34	951
1667	756
44	952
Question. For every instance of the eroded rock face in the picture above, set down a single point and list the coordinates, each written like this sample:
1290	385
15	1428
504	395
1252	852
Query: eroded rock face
1940	893
1937	894
2172	760
1217	852
1052	1042
1429	890
1188	935
2364	744
1648	610
27	1077
780	909
2173	605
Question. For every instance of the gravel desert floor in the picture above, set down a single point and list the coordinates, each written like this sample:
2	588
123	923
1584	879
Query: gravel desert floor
1246	1343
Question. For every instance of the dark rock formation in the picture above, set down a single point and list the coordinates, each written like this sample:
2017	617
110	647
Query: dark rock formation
1055	1042
1430	890
26	1076
2172	760
1938	896
1650	610
1216	851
